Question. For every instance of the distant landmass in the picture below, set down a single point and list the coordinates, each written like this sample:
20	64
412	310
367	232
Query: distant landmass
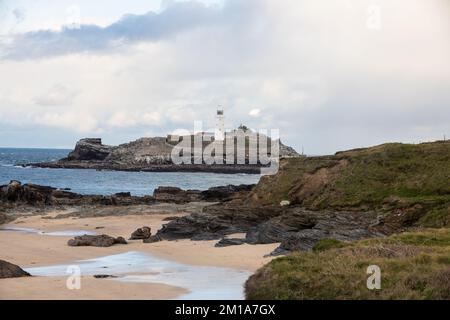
155	154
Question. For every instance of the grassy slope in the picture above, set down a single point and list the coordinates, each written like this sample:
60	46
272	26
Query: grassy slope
407	183
413	266
385	177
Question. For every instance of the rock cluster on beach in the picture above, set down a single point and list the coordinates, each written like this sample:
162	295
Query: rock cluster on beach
294	227
16	193
222	193
9	270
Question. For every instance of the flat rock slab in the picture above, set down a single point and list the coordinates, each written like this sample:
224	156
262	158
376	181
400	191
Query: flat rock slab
225	242
96	241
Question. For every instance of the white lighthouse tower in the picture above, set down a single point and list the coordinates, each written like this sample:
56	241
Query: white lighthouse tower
219	135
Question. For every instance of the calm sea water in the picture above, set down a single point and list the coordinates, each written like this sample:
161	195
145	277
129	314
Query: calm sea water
104	182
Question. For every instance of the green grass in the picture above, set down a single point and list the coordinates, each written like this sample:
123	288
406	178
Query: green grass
383	178
414	265
327	244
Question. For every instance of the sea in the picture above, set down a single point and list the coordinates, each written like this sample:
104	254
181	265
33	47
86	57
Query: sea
86	181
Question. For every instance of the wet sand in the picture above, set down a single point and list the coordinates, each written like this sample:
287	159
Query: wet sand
32	250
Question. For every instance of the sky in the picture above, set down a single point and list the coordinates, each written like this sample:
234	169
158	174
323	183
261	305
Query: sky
330	75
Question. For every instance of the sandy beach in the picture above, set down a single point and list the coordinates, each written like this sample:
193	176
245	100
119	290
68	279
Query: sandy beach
30	250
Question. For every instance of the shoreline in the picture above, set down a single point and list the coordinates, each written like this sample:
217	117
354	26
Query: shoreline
30	250
190	168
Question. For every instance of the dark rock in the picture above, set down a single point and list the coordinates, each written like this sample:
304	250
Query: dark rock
9	270
343	226
279	228
141	233
224	192
96	241
153	239
123	195
216	222
226	242
176	195
104	276
294	227
3	218
206	236
170	218
30	194
90	149
301	241
27	193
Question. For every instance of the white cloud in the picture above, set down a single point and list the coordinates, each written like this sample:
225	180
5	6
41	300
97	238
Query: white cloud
254	113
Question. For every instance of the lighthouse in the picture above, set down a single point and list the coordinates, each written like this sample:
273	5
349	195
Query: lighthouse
219	135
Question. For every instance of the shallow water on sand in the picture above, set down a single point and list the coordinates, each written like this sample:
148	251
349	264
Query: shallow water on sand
133	266
65	233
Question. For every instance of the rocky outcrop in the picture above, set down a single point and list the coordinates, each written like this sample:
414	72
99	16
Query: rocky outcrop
30	194
214	194
155	155
176	195
152	239
104	276
95	241
216	221
90	149
224	193
141	233
294	227
9	270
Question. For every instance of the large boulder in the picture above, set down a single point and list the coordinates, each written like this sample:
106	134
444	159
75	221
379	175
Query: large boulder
90	149
9	270
27	193
95	241
141	233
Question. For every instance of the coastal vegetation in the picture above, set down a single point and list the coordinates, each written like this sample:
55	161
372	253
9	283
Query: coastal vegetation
414	265
409	188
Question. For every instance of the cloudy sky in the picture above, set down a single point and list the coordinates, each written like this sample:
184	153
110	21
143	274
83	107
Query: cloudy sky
330	75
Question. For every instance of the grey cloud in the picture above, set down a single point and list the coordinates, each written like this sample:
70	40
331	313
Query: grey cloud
176	18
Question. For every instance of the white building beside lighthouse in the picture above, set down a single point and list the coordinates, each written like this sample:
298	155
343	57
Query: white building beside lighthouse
219	134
